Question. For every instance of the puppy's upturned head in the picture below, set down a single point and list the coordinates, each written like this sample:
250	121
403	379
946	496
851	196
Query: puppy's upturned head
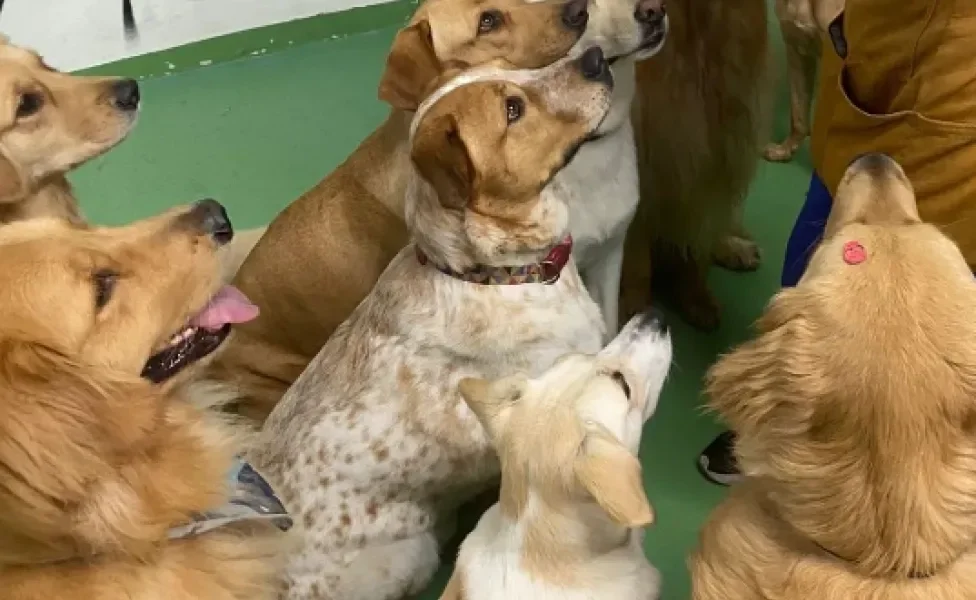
96	453
855	403
51	122
449	35
488	143
570	437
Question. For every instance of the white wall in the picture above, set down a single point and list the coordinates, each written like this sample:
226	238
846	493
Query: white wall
75	34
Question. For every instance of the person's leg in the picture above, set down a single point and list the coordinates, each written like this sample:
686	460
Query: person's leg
717	461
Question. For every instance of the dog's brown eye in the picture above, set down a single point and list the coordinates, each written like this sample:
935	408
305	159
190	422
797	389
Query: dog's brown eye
29	104
489	21
514	107
620	380
104	281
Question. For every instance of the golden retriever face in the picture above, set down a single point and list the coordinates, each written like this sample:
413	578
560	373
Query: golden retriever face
51	122
109	298
459	34
95	455
855	404
491	140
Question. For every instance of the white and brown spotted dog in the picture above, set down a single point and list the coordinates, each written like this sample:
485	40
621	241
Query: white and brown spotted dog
569	522
373	447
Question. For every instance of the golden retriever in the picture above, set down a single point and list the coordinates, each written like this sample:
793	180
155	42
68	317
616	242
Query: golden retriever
102	457
50	123
856	418
700	121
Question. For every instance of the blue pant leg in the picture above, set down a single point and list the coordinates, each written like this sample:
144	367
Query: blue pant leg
807	231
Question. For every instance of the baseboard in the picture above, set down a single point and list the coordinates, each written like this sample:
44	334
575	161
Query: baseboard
260	41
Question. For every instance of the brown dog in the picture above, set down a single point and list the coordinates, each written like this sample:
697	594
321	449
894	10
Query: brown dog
855	415
699	119
51	123
803	23
101	453
322	255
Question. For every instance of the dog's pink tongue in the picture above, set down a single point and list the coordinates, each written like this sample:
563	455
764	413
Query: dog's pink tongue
229	305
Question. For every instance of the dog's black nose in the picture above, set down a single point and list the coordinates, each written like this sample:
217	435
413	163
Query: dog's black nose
650	12
575	15
593	64
653	319
212	218
125	94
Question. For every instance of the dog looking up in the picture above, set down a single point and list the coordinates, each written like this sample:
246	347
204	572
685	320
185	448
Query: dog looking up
572	498
322	255
53	123
112	483
372	446
854	413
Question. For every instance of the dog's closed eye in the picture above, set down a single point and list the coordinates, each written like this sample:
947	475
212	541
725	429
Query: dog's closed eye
620	380
104	281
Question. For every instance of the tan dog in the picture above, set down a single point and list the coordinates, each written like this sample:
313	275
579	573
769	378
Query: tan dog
803	23
854	409
572	504
110	477
322	255
372	446
50	123
700	119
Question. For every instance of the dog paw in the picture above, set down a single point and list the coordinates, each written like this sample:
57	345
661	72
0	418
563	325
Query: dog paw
780	152
738	254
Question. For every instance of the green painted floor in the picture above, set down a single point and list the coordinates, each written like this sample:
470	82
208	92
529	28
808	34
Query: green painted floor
256	133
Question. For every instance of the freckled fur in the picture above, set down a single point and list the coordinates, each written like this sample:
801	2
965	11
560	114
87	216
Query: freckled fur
372	447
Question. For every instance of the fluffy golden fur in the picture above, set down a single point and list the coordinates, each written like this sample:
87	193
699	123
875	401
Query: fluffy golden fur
855	414
96	462
700	119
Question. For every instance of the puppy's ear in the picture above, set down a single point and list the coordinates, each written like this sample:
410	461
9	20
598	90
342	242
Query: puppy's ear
612	475
442	158
411	67
491	401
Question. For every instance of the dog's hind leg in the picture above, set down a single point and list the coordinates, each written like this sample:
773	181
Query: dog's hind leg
737	251
802	55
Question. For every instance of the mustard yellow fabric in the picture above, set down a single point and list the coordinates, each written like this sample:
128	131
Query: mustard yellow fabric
907	88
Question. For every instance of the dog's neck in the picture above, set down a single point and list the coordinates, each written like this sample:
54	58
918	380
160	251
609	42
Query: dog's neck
440	233
48	197
556	541
382	162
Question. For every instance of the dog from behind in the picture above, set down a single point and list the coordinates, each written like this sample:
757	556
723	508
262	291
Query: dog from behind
572	506
855	417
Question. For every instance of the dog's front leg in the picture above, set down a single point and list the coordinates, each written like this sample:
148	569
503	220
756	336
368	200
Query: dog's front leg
602	280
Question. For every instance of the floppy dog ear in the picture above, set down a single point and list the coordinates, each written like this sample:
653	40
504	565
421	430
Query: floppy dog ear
491	401
411	67
442	158
613	476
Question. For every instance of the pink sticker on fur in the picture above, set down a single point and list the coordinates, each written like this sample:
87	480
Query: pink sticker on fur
854	253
